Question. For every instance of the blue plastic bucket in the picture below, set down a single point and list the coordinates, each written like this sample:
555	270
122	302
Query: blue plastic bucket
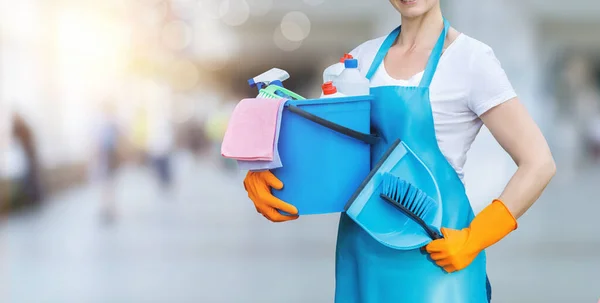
323	166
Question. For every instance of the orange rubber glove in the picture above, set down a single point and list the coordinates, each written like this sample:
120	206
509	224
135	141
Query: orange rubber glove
258	185
459	248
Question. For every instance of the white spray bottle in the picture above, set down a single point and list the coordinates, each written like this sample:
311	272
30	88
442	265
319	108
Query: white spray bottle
263	80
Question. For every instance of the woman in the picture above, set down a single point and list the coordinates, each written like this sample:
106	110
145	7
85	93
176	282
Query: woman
434	91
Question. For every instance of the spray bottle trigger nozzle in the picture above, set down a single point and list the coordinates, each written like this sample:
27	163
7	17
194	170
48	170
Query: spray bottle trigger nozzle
258	85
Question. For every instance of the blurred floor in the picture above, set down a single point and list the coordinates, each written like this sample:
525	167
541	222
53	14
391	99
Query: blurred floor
194	245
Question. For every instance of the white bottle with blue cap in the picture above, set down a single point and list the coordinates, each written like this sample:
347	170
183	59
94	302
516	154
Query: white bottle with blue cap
351	82
335	70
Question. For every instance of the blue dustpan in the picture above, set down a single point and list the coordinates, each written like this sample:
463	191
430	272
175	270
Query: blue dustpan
382	220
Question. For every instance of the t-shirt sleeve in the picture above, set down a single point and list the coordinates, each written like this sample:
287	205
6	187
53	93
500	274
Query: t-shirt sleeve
489	84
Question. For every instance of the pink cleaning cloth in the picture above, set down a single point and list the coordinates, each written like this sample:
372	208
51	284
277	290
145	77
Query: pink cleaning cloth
266	165
250	134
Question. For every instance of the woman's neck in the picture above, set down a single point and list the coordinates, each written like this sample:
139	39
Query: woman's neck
421	33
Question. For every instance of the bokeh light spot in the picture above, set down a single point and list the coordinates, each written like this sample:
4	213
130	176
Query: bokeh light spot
283	43
295	26
260	7
184	74
234	12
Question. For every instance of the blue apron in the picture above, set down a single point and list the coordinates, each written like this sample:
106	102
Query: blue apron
369	272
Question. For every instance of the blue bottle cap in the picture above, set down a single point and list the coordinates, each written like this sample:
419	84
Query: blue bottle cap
351	63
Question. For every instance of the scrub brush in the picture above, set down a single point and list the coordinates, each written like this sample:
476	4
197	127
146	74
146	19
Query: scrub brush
410	200
270	92
264	94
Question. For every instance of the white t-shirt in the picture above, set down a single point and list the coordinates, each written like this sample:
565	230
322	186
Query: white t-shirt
468	82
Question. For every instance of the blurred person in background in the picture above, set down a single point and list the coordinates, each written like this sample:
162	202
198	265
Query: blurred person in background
5	139
434	92
160	138
584	95
594	137
30	185
107	132
196	137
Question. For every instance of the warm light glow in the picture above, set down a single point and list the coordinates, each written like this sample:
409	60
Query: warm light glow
19	21
176	35
91	48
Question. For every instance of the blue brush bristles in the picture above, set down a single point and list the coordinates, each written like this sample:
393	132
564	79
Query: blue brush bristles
406	194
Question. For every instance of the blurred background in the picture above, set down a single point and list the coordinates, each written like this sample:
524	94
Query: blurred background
112	188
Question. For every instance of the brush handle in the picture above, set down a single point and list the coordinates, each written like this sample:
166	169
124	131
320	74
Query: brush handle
430	231
434	234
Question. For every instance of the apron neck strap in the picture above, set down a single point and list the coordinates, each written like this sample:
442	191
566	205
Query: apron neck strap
434	58
383	50
432	63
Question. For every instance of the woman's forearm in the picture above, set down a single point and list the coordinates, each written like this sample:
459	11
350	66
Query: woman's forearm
522	139
527	184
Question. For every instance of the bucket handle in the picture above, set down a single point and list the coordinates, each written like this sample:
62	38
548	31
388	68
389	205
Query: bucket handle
367	138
